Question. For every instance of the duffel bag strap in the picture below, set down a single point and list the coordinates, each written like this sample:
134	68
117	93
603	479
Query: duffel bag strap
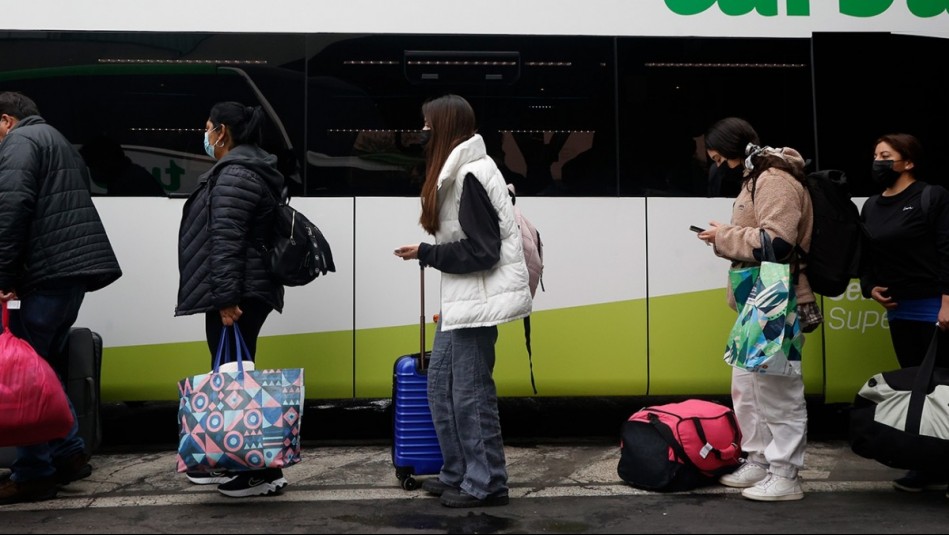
670	439
921	386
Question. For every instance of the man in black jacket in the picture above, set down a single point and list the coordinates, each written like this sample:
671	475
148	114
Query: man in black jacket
53	249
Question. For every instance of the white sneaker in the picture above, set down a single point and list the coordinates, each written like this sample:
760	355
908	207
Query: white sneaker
747	475
775	488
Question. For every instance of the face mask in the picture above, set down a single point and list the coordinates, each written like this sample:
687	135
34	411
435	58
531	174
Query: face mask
883	173
729	174
425	137
208	148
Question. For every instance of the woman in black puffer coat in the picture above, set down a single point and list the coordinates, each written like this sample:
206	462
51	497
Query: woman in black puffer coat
224	225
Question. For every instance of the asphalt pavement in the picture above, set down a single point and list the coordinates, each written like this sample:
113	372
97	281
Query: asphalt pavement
562	480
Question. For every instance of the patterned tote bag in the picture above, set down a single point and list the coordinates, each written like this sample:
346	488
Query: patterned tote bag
766	337
239	420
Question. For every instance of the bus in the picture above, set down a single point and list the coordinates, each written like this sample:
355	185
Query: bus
594	110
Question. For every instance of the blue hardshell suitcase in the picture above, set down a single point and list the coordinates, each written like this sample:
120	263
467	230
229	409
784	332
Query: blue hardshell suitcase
415	449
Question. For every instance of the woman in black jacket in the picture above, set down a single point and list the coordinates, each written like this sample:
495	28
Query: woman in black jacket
224	224
905	264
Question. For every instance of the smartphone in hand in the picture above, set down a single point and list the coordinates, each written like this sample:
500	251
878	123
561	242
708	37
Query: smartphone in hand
696	229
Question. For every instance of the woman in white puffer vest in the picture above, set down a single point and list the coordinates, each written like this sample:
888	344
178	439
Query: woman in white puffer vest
478	249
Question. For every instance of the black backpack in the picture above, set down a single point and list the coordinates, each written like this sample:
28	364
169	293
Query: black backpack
299	253
834	256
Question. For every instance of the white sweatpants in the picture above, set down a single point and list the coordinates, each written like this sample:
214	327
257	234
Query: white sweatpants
772	416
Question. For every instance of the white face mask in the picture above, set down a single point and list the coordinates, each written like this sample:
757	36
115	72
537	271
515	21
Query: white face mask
208	147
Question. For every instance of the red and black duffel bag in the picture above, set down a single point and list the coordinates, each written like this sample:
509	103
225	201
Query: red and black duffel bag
679	446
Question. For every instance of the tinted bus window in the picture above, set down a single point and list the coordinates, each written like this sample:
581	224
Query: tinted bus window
904	78
544	107
672	89
136	104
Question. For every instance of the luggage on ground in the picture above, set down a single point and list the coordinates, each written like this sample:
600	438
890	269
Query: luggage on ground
679	446
415	449
901	418
83	380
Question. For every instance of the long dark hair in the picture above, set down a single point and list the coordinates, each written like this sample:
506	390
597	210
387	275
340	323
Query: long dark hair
244	123
452	121
730	136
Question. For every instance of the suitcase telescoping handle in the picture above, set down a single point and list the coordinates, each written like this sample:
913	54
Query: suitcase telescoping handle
421	318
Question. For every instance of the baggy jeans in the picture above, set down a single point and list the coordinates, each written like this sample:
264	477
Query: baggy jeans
44	320
464	403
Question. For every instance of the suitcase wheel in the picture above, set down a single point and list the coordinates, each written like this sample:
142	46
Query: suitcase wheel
410	483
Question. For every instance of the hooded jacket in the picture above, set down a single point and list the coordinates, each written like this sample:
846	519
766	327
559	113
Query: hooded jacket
782	207
50	231
224	224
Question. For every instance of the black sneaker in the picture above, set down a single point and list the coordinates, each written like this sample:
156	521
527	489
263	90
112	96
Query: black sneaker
916	481
435	486
254	483
460	498
216	477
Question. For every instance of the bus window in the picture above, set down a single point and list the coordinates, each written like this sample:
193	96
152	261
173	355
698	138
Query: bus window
151	94
672	89
907	79
544	107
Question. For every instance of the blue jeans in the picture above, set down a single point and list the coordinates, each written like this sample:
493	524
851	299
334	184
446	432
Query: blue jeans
44	320
464	402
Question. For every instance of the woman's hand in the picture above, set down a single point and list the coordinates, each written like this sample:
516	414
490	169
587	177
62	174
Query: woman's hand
943	319
7	296
407	252
708	235
878	293
231	314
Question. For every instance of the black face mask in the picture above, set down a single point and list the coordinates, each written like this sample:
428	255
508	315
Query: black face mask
883	173
729	179
424	137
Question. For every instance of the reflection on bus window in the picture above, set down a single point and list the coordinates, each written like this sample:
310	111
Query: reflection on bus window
115	172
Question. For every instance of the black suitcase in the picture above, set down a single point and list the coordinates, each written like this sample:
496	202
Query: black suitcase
82	370
83	380
415	449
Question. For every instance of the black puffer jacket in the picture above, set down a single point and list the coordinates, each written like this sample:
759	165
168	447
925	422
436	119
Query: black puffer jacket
223	225
50	232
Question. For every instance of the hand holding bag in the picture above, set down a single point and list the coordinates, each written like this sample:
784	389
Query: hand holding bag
901	418
766	337
239	420
33	404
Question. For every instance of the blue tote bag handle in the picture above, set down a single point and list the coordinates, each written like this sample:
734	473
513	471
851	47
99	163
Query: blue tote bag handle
236	350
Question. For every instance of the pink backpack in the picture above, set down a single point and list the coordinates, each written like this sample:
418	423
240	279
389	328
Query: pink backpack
534	257
533	247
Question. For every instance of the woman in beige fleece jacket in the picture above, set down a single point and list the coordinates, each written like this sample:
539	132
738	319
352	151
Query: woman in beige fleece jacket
770	409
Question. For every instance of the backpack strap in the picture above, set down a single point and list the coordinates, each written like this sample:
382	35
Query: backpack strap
527	340
926	200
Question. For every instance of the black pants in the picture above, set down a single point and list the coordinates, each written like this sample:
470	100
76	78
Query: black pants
254	313
911	340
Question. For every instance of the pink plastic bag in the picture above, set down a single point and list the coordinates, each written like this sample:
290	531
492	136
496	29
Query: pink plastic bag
33	405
